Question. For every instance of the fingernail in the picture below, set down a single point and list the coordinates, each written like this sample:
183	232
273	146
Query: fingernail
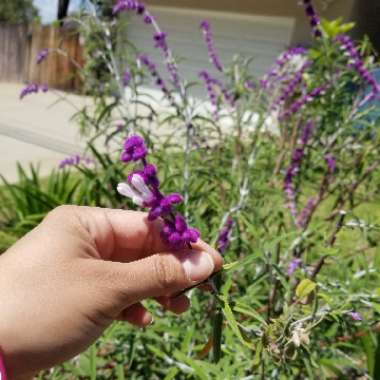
197	265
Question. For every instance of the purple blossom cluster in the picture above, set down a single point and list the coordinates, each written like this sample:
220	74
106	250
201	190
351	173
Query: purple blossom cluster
214	87
331	163
301	102
314	19
160	39
33	88
74	160
224	236
293	266
209	39
132	5
357	317
159	81
41	56
294	168
356	62
291	86
275	72
143	187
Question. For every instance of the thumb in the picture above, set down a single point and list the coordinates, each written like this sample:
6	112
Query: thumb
162	274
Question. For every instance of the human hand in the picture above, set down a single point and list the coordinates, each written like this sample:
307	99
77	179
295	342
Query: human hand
81	269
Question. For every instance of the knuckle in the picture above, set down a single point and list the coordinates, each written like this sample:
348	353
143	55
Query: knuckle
64	213
167	275
63	210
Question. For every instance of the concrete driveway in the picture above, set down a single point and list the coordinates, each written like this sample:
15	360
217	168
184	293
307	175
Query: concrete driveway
37	129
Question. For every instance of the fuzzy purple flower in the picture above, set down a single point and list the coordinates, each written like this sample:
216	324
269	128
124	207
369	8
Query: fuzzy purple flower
209	39
301	102
214	88
294	168
122	5
355	316
291	86
75	160
293	266
356	63
275	72
224	236
41	56
314	19
159	81
249	85
134	149
33	88
160	39
331	163
142	186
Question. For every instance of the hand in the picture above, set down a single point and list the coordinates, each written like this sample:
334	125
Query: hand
78	271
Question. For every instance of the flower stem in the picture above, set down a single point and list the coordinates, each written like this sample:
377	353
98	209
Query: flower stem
217	323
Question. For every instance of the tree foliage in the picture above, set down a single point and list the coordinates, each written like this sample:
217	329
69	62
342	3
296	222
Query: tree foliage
17	11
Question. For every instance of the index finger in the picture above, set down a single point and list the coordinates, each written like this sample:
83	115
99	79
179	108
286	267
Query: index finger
135	237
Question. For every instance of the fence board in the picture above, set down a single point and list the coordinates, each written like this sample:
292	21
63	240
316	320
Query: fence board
13	51
19	46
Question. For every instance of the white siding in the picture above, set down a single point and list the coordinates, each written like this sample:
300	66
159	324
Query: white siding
258	36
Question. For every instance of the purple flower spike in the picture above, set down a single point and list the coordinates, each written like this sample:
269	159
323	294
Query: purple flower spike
355	316
293	266
224	236
33	88
142	188
75	160
41	56
276	72
301	102
294	168
215	88
144	60
291	86
314	19
209	39
356	63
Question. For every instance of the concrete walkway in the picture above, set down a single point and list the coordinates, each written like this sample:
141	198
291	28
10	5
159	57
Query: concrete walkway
37	129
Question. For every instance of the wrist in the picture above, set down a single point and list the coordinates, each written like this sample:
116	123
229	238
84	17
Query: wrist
11	345
3	372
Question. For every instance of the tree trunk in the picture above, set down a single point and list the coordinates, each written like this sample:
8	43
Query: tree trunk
63	8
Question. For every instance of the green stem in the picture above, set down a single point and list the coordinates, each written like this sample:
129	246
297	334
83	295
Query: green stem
217	324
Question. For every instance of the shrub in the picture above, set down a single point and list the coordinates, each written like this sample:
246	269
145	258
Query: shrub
279	173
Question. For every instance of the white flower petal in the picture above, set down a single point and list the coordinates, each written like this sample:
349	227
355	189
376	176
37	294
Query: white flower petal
127	191
142	188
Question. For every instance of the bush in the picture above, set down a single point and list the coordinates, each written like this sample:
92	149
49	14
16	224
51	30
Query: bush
282	171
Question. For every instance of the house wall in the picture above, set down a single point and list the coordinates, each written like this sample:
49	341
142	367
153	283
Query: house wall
286	8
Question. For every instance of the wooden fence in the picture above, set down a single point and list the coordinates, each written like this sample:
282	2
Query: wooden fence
20	44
